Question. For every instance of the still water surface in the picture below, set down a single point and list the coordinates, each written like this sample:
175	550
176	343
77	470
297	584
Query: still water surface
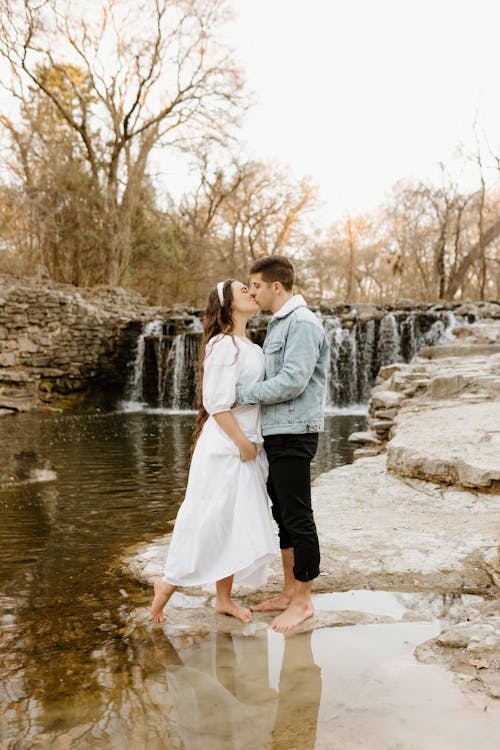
72	670
77	673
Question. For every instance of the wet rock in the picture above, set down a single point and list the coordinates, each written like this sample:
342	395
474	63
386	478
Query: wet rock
365	311
404	304
363	437
470	648
201	620
26	466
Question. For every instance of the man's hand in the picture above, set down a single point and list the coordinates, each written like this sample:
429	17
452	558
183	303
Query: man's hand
248	451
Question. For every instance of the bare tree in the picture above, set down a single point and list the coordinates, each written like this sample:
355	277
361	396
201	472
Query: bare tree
122	83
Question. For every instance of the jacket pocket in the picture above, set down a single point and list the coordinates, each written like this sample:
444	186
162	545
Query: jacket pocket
274	353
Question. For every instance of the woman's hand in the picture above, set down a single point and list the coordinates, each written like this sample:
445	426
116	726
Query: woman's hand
248	450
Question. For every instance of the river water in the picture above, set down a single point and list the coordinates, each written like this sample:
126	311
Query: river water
75	672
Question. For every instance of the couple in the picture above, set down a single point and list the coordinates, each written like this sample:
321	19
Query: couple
223	531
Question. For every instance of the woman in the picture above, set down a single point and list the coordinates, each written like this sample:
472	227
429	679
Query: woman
223	531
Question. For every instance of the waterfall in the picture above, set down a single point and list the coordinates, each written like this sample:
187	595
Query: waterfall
164	368
389	341
342	374
425	329
365	337
134	389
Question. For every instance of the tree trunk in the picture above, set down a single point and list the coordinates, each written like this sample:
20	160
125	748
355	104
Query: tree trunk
456	281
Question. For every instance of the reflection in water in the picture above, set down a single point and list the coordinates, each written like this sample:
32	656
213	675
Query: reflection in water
299	696
442	606
222	697
67	667
75	673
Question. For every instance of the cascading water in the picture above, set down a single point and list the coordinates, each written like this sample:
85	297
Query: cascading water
164	373
389	341
134	390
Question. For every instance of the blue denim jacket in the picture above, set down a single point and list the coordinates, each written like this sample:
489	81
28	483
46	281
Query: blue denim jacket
293	394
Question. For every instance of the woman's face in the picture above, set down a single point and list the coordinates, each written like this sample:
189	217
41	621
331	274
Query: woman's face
242	301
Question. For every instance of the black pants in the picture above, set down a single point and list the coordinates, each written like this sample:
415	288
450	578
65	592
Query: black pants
289	487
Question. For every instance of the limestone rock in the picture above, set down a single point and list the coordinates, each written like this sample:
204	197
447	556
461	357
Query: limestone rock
466	633
363	437
470	647
448	442
366	451
387	399
457	350
379	531
445	385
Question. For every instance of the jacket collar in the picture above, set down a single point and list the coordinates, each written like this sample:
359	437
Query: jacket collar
290	305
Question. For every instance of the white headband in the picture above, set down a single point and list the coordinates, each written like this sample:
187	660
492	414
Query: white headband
220	292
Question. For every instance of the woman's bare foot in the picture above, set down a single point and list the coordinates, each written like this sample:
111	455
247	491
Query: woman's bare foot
232	609
294	615
271	605
162	593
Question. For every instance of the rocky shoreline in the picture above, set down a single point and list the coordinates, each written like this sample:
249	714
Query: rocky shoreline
419	509
61	346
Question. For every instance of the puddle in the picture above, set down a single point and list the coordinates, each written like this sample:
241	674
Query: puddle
397	604
353	687
349	688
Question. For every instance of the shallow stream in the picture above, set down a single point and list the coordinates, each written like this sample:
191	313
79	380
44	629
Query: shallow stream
75	672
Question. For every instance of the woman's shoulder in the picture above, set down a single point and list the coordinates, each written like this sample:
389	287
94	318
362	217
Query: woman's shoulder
221	341
221	347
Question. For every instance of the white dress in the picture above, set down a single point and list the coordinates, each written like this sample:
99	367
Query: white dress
224	524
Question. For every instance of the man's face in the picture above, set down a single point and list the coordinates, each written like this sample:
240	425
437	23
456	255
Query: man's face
262	292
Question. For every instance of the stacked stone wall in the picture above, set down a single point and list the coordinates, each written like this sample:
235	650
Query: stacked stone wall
57	342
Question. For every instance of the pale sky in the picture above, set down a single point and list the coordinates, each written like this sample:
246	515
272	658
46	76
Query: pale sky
359	94
362	93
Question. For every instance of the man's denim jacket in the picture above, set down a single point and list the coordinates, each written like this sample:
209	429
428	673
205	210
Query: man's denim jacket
293	394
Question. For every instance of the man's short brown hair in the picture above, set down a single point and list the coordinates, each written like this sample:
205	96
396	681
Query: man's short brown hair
275	268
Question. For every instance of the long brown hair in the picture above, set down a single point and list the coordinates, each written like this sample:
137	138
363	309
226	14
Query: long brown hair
218	319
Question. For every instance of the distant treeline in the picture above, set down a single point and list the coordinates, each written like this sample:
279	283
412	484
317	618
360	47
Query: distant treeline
92	100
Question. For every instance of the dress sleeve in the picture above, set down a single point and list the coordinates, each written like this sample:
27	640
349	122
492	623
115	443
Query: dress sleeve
220	374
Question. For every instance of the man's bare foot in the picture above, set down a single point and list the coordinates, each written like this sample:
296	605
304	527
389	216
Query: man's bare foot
280	602
293	616
162	593
232	609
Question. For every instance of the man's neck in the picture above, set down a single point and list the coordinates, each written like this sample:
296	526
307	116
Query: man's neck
281	301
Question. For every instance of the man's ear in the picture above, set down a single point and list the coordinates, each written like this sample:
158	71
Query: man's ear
277	287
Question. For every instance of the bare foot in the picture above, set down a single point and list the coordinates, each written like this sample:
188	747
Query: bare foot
293	616
232	609
162	593
280	602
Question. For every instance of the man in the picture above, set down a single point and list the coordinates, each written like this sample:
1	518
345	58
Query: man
293	397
